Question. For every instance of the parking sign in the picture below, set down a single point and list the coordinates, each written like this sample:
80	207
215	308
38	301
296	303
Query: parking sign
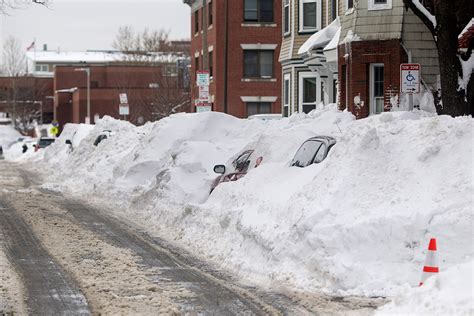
410	78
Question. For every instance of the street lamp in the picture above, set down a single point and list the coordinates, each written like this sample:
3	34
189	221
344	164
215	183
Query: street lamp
88	72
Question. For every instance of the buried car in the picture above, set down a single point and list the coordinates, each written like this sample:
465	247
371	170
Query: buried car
313	150
243	163
44	142
106	133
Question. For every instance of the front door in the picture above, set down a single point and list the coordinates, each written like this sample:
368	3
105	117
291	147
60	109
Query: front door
376	88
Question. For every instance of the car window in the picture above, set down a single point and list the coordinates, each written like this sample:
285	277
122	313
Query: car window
241	163
320	155
45	142
305	155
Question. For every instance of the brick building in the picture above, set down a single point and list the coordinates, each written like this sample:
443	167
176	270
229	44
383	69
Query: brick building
238	42
376	37
29	97
153	92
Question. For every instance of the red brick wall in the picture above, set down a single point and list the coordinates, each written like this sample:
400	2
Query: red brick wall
357	58
237	35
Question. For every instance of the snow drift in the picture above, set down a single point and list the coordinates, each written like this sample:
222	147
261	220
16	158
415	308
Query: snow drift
357	223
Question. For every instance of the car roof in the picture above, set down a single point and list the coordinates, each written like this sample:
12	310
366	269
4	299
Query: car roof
328	139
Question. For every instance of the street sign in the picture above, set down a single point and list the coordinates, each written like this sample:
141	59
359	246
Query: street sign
124	109
123	98
204	94
203	108
202	78
410	78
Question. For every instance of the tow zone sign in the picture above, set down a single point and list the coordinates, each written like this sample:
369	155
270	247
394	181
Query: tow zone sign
410	78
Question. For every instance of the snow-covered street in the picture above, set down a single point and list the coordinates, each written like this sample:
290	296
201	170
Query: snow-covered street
356	225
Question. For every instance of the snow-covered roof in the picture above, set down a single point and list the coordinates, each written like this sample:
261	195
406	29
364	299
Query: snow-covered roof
321	38
91	57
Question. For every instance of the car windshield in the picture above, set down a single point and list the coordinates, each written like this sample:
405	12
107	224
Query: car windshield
45	142
241	163
305	155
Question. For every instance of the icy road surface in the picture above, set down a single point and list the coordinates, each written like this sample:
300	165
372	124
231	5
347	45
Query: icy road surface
67	257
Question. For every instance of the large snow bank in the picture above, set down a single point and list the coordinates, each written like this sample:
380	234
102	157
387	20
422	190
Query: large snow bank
449	293
358	223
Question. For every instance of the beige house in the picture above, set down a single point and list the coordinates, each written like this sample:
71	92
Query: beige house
307	77
363	48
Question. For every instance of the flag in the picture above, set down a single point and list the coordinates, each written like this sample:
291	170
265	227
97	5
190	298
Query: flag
32	45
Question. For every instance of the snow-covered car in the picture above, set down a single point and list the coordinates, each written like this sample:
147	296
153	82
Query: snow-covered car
103	135
44	142
313	150
239	166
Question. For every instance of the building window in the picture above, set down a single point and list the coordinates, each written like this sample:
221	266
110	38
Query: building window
42	68
196	22
258	63
286	17
380	4
196	65
258	10
376	88
308	15
211	63
309	91
258	108
350	4
334	7
286	95
209	13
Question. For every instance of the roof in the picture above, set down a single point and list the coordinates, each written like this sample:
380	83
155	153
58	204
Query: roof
466	35
92	57
321	38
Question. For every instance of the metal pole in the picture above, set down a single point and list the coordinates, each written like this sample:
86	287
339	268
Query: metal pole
88	71
41	110
410	102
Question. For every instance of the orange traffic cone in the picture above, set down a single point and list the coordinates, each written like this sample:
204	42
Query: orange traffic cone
431	263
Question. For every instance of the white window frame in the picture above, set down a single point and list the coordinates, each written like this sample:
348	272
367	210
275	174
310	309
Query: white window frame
346	6
289	17
301	77
318	16
286	78
371	87
372	6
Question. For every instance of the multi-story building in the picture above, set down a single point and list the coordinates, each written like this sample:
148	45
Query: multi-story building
238	42
309	73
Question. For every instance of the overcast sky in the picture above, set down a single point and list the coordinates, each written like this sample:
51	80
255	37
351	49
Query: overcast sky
86	24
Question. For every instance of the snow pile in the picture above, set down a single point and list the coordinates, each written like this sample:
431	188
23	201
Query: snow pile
357	223
449	293
8	135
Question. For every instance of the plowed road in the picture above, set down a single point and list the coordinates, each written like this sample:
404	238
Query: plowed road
61	256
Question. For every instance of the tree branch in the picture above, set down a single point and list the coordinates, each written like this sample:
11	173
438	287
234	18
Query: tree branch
424	18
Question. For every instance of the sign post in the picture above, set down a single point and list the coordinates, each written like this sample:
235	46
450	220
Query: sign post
410	81
203	102
124	108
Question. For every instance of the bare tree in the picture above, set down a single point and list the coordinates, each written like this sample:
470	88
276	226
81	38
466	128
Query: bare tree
13	58
6	5
166	93
446	19
141	47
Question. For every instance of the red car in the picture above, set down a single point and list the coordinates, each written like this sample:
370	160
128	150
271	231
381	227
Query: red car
245	161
